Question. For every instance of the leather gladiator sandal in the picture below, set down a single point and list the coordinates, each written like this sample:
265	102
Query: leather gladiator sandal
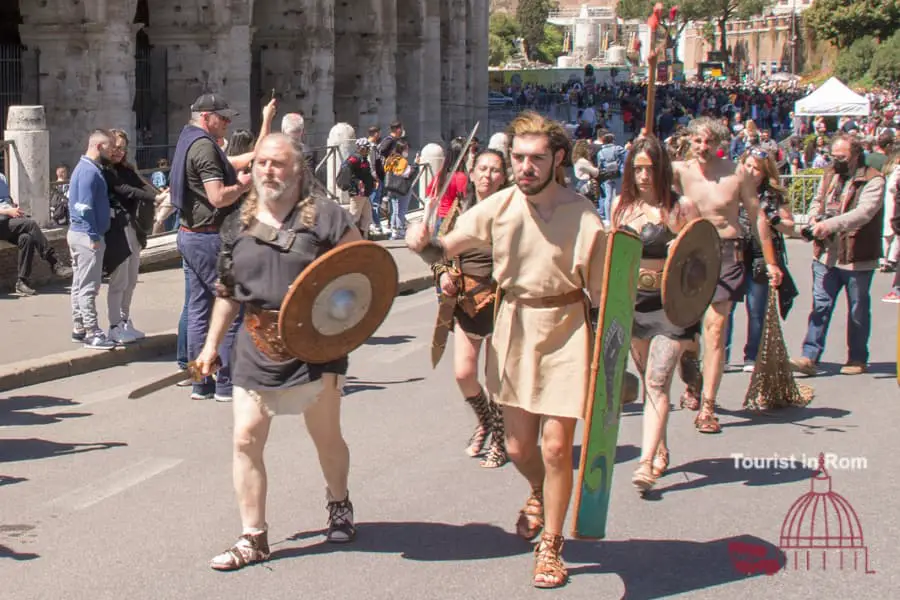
707	421
250	548
341	528
644	478
660	461
481	405
549	570
496	455
531	517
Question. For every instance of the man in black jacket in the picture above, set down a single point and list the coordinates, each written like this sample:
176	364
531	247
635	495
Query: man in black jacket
362	186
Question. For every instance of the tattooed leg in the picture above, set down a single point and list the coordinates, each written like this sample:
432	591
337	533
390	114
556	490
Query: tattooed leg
661	364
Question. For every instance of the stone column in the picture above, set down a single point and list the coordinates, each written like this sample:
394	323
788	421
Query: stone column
342	138
365	39
87	68
453	68
411	67
432	127
478	48
29	165
296	59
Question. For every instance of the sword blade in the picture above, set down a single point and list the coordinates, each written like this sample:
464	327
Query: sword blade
431	210
159	384
442	329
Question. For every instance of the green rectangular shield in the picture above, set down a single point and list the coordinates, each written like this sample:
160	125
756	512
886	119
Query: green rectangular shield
612	345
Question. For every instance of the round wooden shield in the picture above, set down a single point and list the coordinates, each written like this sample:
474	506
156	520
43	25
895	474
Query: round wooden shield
691	273
338	302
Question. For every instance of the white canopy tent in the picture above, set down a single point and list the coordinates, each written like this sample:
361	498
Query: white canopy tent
833	98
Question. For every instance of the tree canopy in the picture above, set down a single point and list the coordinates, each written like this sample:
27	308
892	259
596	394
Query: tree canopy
842	23
722	11
532	17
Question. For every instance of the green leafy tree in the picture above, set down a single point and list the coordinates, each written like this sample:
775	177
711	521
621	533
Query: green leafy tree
885	68
722	11
842	23
552	46
688	10
854	63
532	17
503	32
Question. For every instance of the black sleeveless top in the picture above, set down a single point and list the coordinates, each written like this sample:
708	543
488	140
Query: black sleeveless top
656	238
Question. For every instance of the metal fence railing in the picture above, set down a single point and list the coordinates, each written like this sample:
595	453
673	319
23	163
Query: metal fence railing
801	190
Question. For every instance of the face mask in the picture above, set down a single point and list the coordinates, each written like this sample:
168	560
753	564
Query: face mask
840	166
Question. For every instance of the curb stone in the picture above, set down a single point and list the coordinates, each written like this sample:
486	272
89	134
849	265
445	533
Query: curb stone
78	362
81	361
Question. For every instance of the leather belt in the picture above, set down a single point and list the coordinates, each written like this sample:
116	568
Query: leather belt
573	297
649	280
263	328
204	229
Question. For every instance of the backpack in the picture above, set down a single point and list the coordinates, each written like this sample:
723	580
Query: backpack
344	177
609	167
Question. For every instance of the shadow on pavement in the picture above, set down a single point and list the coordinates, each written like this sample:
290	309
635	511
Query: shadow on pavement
7	480
433	542
357	385
390	340
653	569
6	552
790	415
623	454
721	471
14	411
13	450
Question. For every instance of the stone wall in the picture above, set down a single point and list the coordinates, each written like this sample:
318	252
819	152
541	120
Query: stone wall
365	62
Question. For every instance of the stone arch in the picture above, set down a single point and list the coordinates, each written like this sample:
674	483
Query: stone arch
293	54
365	39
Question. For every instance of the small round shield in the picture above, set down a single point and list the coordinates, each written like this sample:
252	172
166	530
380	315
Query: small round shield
338	302
691	273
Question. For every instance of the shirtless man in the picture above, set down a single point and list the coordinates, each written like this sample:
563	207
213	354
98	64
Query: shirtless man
718	189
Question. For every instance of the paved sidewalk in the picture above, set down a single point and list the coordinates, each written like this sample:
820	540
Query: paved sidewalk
37	330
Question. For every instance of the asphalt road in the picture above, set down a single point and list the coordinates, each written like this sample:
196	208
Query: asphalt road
103	497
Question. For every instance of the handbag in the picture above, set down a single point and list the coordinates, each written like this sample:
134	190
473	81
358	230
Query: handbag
397	184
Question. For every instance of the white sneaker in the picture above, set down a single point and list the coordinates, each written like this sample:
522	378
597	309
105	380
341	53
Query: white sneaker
120	335
135	333
748	368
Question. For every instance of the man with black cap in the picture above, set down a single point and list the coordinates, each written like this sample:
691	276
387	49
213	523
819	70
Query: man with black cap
204	187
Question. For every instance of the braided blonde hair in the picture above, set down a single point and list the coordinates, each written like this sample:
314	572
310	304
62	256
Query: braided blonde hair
310	190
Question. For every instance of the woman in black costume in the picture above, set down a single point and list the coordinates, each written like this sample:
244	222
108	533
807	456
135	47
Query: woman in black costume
649	207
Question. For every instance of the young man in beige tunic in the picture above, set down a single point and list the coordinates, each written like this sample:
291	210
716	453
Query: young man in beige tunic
719	189
548	247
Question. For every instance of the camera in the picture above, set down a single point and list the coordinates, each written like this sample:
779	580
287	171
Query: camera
807	232
769	206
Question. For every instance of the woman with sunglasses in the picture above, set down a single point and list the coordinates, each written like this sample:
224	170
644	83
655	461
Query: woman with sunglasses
649	207
775	214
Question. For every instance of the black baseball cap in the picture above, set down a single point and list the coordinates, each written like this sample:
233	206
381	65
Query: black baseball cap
213	103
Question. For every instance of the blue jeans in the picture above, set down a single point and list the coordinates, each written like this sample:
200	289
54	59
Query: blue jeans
375	198
827	284
399	206
200	252
757	301
181	355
